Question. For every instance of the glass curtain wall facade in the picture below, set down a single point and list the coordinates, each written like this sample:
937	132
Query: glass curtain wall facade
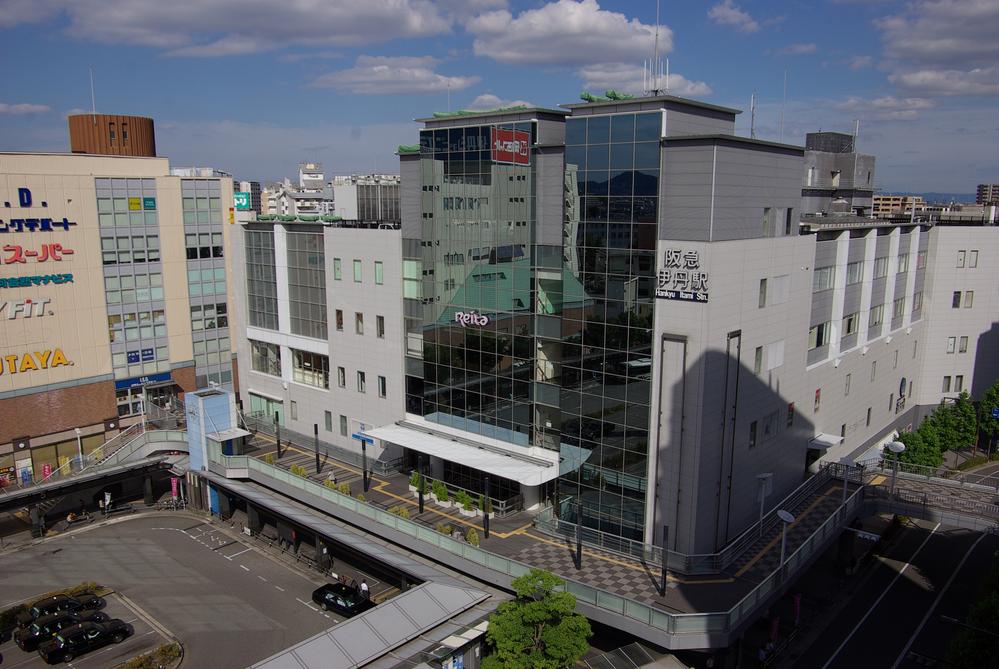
478	214
612	172
261	279
307	284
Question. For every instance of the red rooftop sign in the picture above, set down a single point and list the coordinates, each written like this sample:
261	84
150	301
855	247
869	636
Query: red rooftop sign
511	146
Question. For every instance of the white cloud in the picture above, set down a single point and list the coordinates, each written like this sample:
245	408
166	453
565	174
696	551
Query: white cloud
629	78
23	108
379	75
978	81
565	32
193	27
860	62
943	47
728	13
887	107
798	49
490	101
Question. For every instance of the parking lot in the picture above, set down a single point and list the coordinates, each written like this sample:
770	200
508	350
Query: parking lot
216	591
145	639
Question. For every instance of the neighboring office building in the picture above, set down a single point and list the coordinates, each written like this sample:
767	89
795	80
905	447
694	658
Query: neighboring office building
253	188
886	206
987	194
321	309
371	197
837	179
113	289
311	197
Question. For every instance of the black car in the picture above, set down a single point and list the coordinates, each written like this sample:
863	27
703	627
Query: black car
58	604
342	599
76	640
28	638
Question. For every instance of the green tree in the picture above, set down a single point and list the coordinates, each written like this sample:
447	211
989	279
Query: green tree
921	447
966	420
539	629
990	401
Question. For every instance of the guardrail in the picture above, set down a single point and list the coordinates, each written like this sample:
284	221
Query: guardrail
148	437
693	563
305	442
953	478
947	502
720	622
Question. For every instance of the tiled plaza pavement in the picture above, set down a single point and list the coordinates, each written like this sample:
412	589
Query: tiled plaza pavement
514	537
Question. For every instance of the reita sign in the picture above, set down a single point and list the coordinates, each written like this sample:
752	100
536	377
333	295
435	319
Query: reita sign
466	318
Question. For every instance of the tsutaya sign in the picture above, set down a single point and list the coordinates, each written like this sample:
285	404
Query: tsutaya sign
25	308
681	277
467	318
28	362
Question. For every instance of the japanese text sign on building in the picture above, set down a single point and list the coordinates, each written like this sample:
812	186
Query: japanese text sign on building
511	146
15	253
46	224
681	277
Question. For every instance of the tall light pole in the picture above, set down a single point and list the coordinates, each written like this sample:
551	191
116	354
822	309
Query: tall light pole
79	447
786	519
896	447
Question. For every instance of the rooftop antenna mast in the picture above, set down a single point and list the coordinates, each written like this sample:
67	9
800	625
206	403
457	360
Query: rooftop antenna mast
752	116
654	69
93	99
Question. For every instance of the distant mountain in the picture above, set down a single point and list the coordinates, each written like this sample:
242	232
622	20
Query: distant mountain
945	198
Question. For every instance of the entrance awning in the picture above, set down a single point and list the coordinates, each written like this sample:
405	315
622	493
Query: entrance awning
226	435
530	466
823	441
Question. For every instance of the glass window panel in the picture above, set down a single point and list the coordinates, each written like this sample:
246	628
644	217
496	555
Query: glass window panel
598	130
648	127
598	157
622	156
623	128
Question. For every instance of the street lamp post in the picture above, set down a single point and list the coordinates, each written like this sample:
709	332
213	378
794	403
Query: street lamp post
79	448
896	447
786	519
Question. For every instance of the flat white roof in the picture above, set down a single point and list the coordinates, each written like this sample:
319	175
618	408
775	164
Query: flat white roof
823	441
530	466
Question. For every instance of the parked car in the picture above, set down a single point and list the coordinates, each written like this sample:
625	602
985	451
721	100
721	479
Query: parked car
77	639
58	604
27	638
342	599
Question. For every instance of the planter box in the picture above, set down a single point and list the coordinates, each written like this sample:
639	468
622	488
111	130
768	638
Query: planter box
469	514
412	488
446	505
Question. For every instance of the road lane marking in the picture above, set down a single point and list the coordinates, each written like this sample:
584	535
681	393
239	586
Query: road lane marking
870	610
229	557
243	566
261	578
279	588
307	604
908	645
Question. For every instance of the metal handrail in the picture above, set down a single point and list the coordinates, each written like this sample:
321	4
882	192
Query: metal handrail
84	465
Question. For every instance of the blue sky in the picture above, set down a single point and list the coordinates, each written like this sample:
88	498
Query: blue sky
254	86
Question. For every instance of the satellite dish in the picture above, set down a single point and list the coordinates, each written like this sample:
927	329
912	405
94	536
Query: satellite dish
785	516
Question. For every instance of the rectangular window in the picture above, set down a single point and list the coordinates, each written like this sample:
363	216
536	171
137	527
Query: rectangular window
962	346
880	267
768	222
774	354
328	416
850	324
265	358
946	384
955	300
960	258
339	320
917	301
294	410
973	259
337	269
380	327
312	369
894	364
379	273
842	431
921	260
382	386
307	284
758	360
343	425
854	273
823	279
951	344
362	383
846	386
412	286
818	335
903	263
358	323
898	308
868	416
752	434
874	370
358	271
341	377
958	383
877	316
969	298
790	414
763	293
891	402
788	221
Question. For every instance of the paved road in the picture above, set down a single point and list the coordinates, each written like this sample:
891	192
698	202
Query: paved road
229	604
930	570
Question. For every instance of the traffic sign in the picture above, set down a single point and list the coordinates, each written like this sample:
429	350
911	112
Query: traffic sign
995	412
242	200
360	436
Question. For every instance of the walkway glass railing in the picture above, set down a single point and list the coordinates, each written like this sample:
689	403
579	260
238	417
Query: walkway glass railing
720	622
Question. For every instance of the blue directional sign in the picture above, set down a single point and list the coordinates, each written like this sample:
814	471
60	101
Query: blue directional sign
995	412
360	436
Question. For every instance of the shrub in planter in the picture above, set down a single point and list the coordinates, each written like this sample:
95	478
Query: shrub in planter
463	500
344	489
441	493
329	484
444	528
400	511
414	481
269	458
472	537
360	497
